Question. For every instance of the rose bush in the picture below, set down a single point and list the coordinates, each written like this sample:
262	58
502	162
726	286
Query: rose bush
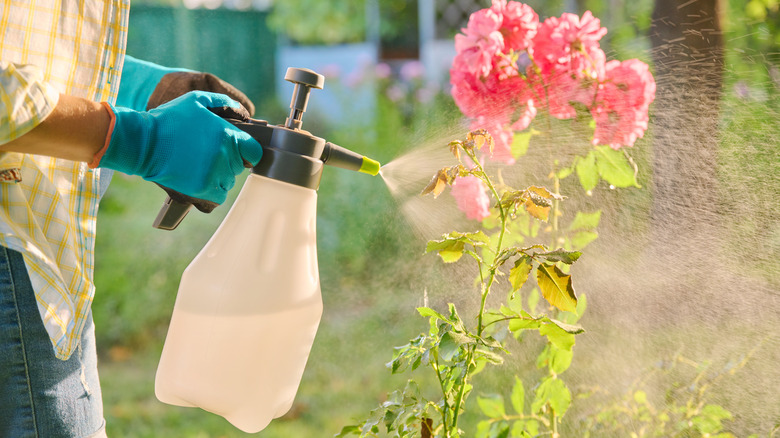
509	67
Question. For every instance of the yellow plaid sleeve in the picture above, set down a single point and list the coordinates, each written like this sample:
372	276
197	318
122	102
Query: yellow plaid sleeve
27	99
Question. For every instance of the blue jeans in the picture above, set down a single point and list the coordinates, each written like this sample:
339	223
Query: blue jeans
40	395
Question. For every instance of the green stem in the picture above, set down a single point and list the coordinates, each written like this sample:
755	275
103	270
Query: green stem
509	318
497	250
462	389
435	366
485	286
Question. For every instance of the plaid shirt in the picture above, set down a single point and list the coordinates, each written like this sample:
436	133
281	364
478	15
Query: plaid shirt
48	206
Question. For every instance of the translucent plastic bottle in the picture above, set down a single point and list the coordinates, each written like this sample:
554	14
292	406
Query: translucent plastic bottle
247	309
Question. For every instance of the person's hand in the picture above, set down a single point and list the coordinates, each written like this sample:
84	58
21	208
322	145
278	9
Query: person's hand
183	145
145	85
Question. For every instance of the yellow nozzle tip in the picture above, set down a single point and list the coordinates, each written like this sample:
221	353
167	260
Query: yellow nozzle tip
370	166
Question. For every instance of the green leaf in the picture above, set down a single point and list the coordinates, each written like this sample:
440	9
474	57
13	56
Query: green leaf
532	426
492	406
499	430
588	172
519	274
426	312
709	421
515	303
582	304
560	255
518	396
585	221
526	322
556	287
448	347
565	172
554	392
523	324
560	360
583	238
518	430
348	430
520	143
483	427
615	168
640	397
568	328
450	251
533	300
557	336
489	356
453	245
461	338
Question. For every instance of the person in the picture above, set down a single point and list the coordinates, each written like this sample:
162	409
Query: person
74	109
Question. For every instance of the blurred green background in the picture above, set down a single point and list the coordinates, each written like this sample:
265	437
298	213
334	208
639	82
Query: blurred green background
372	267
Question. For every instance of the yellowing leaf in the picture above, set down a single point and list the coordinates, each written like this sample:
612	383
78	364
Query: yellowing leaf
455	146
538	201
556	287
480	138
519	274
535	210
437	185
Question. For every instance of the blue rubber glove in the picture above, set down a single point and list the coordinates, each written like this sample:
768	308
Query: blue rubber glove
145	85
139	79
183	145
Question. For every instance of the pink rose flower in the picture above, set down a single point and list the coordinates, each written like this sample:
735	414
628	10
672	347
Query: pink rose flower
480	42
485	97
518	23
558	40
623	101
559	86
471	197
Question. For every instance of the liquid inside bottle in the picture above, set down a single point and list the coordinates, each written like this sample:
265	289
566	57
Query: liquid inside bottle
247	309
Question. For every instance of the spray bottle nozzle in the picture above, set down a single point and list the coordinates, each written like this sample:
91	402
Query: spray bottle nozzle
337	156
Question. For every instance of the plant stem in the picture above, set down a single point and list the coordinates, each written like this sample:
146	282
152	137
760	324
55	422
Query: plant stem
462	389
485	286
435	366
497	250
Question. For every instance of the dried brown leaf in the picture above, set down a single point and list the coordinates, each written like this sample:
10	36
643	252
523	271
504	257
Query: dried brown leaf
438	183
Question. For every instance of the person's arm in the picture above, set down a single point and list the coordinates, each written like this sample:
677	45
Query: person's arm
76	130
182	145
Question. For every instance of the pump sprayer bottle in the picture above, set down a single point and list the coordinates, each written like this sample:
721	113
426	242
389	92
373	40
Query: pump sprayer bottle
249	304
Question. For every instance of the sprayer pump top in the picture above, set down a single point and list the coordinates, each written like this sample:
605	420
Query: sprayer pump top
304	80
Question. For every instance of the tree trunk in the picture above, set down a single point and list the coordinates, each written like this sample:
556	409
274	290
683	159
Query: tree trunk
688	56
